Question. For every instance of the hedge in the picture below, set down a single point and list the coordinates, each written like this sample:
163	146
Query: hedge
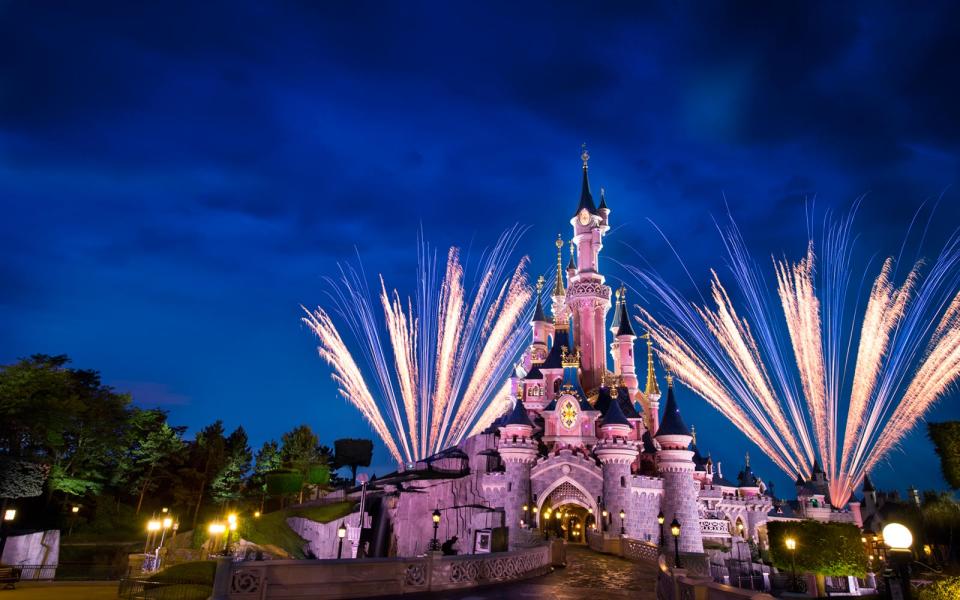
831	549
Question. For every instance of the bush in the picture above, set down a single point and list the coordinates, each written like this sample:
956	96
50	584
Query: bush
832	549
946	589
198	572
283	482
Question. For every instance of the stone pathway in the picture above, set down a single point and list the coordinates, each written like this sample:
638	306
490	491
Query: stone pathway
587	576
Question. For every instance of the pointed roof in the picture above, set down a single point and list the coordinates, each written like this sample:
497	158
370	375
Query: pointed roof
816	466
800	482
586	198
538	314
603	200
518	416
534	373
558	283
652	386
648	442
868	485
615	325
554	359
672	423
605	396
624	327
571	265
615	416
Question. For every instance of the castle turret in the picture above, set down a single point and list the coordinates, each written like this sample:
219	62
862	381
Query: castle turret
616	453
541	326
588	298
518	450
625	338
676	466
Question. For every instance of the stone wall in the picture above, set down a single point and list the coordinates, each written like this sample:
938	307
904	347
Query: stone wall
645	503
322	538
38	548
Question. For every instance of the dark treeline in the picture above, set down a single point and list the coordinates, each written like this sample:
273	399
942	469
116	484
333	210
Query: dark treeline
67	440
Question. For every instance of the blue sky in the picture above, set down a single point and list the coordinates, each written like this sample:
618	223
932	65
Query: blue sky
177	178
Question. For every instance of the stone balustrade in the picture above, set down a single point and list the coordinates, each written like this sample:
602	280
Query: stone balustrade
678	584
638	550
715	528
336	579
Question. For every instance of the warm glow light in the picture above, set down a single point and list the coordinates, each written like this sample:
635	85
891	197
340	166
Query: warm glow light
216	528
791	544
525	508
675	528
10	514
75	509
590	511
660	518
167	523
232	518
605	513
164	510
622	514
256	515
342	531
535	510
897	536
153	525
436	516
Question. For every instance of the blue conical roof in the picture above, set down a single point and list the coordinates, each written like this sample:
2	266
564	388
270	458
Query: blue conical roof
615	416
518	416
672	423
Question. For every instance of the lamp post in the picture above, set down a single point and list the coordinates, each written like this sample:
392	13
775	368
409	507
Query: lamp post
792	548
215	530
9	514
899	539
603	523
675	531
622	515
660	519
153	526
435	545
341	533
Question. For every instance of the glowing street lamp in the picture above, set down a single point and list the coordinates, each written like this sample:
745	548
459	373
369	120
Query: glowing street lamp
899	539
675	531
660	519
792	547
9	514
435	545
622	515
341	533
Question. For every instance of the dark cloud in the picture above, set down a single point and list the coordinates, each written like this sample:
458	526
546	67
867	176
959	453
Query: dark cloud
176	179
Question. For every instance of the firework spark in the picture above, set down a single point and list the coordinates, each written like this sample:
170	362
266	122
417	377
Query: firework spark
907	353
451	350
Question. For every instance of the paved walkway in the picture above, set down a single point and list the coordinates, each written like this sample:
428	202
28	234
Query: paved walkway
62	591
587	576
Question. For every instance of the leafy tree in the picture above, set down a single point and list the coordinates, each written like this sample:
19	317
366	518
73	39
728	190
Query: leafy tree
353	453
946	440
300	445
284	483
267	460
62	417
152	446
826	549
207	458
227	486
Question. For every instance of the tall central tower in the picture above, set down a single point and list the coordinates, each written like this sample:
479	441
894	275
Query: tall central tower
587	296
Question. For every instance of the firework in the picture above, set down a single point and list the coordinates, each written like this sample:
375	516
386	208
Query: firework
779	372
438	370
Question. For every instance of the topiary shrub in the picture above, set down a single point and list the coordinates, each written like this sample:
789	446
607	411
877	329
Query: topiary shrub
946	589
830	549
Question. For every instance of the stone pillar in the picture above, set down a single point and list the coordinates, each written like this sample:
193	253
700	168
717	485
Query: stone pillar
616	455
680	491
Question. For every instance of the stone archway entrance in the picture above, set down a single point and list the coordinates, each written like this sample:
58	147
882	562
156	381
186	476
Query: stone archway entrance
567	512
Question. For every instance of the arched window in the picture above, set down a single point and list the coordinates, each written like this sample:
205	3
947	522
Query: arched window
556	386
623	481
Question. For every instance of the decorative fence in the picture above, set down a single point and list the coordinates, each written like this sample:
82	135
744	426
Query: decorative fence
282	579
639	551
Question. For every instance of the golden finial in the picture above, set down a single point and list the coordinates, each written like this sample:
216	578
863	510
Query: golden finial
569	359
652	386
558	285
617	294
669	379
520	391
584	156
540	281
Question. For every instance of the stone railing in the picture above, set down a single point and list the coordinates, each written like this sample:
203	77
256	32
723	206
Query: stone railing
334	579
606	544
715	527
639	551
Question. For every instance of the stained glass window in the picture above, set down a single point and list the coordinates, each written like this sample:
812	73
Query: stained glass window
568	414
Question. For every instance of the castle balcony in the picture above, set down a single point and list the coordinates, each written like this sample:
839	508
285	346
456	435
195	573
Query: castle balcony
715	528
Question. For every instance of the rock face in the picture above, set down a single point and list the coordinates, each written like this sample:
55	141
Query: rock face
322	540
38	548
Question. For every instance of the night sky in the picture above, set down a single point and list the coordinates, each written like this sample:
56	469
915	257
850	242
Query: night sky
176	180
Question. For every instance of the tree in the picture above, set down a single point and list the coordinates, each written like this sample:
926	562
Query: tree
283	483
267	460
63	417
353	453
826	549
299	446
152	446
227	485
21	478
946	440
207	457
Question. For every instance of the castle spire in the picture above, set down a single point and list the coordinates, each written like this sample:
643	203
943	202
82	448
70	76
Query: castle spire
603	200
586	198
558	285
652	387
615	325
571	265
624	327
538	314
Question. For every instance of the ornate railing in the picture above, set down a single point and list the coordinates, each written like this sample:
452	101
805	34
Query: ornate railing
378	577
639	551
715	527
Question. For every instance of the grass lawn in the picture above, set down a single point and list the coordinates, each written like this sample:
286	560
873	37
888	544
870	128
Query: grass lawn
63	591
272	528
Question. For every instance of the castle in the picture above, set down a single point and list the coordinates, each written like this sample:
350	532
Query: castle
584	451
